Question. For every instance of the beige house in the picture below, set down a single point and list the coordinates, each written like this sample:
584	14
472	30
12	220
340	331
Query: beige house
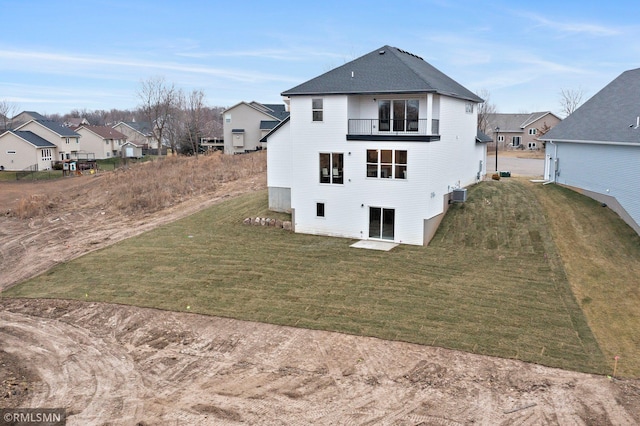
22	150
102	141
138	132
245	123
520	131
24	117
66	140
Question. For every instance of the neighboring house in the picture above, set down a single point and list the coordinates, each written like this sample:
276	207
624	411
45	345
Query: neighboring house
24	117
76	122
596	150
138	132
20	150
521	131
246	123
374	149
66	140
102	141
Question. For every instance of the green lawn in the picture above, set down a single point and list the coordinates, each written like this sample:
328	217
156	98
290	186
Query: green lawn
491	282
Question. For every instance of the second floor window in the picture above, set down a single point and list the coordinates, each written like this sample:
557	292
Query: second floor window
533	131
316	109
386	163
331	167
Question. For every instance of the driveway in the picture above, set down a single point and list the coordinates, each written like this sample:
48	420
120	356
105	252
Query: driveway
533	167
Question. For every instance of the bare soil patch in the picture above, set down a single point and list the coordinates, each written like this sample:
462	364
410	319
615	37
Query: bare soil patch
126	365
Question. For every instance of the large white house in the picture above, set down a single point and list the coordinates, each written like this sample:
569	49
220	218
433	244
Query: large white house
596	150
374	149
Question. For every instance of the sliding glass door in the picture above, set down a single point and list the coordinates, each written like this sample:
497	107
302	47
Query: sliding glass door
381	223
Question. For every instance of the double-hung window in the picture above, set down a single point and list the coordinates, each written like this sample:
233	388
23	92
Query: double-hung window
316	109
331	167
387	163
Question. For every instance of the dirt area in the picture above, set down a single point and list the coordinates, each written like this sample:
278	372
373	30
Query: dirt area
112	364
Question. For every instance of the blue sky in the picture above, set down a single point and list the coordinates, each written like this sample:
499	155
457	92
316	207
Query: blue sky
56	56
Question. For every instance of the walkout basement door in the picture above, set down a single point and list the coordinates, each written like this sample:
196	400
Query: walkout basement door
381	223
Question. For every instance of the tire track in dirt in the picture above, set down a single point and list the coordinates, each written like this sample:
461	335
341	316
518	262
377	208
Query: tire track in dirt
78	370
128	365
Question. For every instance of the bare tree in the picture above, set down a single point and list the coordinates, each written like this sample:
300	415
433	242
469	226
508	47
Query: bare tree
195	118
485	111
7	112
570	100
158	103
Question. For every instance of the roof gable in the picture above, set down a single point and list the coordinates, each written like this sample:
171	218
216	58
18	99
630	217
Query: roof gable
385	70
142	127
611	115
104	132
53	126
277	111
32	138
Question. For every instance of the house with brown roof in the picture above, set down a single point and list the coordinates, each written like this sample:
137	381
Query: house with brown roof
102	141
520	131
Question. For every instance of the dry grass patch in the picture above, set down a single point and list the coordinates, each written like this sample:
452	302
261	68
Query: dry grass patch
147	187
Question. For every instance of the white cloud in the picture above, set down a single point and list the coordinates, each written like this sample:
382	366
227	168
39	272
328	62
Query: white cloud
583	28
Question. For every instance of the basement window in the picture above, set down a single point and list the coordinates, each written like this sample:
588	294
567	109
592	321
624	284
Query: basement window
320	209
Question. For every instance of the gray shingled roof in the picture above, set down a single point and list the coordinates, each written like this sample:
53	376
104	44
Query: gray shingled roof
33	139
610	115
385	70
481	137
143	127
511	123
279	111
58	128
268	124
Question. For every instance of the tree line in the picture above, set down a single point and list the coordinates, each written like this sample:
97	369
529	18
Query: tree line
179	119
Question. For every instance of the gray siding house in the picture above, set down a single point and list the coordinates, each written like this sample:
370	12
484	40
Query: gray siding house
596	150
246	123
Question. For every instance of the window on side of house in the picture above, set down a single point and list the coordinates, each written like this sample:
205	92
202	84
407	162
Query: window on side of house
533	131
468	108
515	141
386	163
320	209
317	109
331	167
501	138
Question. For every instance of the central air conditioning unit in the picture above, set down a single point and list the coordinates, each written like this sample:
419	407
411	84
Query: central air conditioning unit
459	195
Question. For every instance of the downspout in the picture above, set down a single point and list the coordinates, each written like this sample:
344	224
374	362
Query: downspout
555	160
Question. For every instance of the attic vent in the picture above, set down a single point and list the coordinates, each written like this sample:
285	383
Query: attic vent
459	195
381	52
409	53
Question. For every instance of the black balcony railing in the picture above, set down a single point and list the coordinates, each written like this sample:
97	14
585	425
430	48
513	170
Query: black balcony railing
376	127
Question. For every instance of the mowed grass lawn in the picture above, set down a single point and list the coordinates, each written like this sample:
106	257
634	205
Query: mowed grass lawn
491	282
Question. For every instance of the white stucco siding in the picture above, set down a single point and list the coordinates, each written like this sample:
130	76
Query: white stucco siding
611	170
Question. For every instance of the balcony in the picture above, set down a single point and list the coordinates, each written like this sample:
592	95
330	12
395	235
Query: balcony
363	129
